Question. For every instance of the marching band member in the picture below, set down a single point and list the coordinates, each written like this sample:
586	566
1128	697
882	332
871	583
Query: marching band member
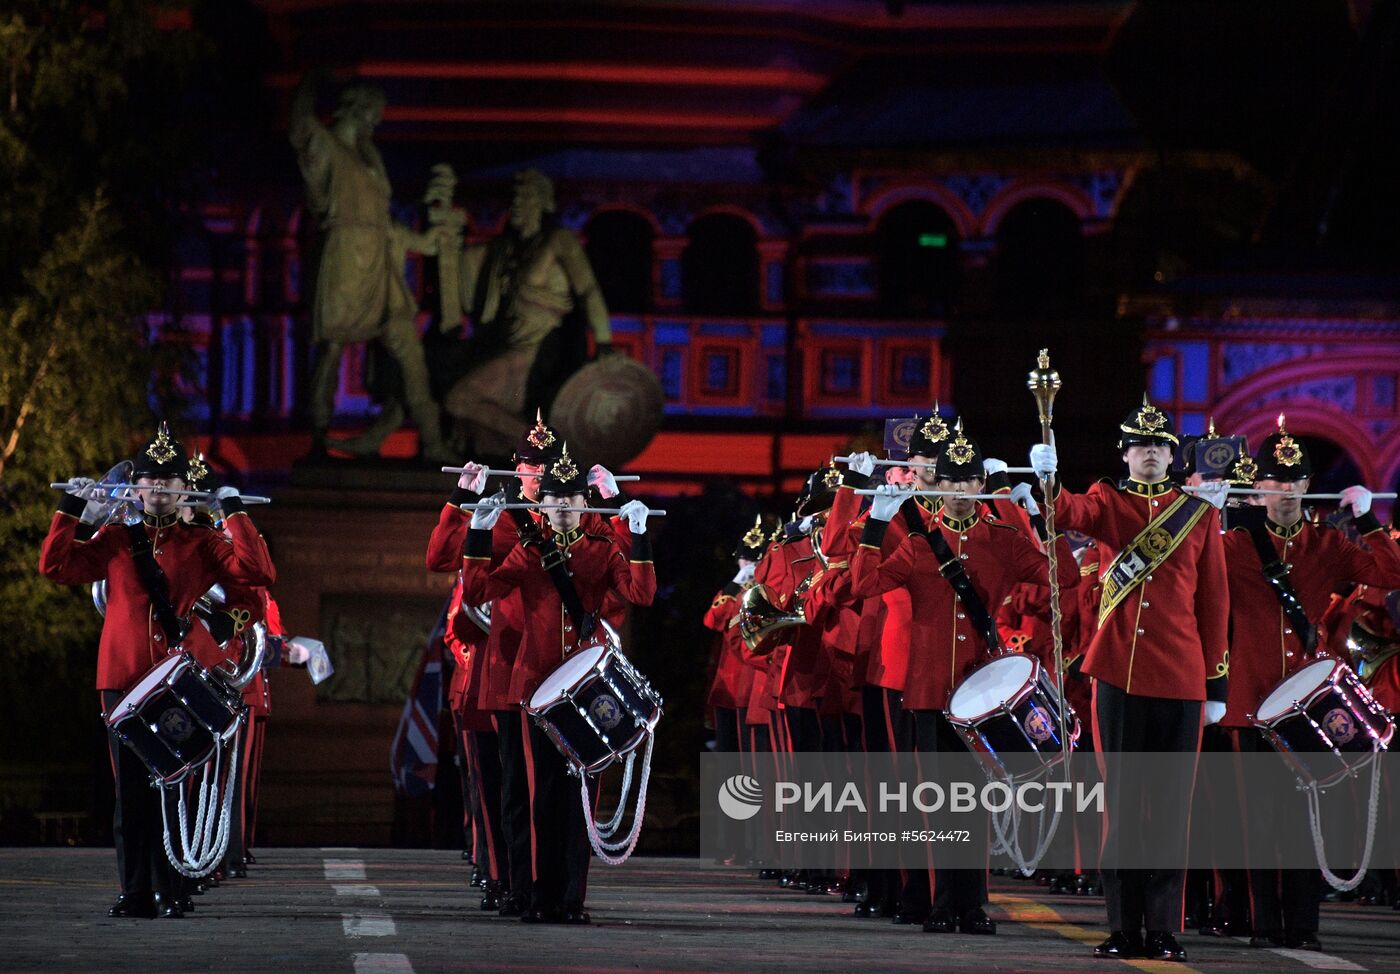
155	570
1152	669
1282	572
537	447
561	609
954	571
733	679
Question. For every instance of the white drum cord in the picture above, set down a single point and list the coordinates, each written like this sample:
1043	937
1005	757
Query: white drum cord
1319	845
616	853
609	828
1007	827
202	850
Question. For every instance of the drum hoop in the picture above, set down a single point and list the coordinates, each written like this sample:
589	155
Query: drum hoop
566	693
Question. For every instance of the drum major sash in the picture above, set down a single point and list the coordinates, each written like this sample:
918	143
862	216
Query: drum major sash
1145	553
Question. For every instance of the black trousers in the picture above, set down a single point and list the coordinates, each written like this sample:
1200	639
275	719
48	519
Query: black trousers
515	802
1126	722
142	866
559	838
804	729
729	732
483	760
889	727
1283	902
958	891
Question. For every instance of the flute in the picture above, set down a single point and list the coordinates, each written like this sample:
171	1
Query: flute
620	477
550	507
873	492
1283	493
177	491
911	463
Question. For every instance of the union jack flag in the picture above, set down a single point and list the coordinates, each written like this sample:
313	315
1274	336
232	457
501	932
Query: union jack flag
413	758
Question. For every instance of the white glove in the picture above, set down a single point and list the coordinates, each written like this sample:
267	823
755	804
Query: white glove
473	477
862	463
745	574
1044	460
225	492
1021	494
84	487
296	653
1213	491
1215	711
599	476
484	518
805	525
992	465
886	501
1358	499
636	514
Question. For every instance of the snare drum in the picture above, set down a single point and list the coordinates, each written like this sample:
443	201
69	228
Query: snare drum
595	707
1324	722
176	716
1009	706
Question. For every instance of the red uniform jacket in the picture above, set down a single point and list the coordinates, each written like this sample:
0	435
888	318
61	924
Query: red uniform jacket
733	674
944	645
597	566
1263	646
805	665
1169	635
194	557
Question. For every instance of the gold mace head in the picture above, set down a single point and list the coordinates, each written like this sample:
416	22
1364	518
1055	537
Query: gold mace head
1043	382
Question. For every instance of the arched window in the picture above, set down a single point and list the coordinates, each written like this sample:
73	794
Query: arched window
917	253
719	268
1040	260
619	246
1333	468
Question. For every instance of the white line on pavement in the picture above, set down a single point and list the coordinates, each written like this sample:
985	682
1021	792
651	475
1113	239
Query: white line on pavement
368	925
350	869
356	889
339	848
1320	962
381	964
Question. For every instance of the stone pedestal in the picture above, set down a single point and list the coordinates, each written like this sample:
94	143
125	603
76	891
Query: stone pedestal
348	540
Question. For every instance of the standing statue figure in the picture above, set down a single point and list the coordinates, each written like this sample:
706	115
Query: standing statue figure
518	288
361	293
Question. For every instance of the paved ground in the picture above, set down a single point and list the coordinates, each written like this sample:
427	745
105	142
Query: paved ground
374	910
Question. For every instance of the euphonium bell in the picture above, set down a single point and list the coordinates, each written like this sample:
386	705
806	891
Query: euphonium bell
1369	650
759	619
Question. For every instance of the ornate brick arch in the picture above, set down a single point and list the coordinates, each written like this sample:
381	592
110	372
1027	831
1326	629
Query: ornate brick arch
632	208
936	193
727	209
1021	191
1238	412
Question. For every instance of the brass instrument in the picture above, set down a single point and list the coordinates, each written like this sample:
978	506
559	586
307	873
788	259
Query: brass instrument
1369	650
759	618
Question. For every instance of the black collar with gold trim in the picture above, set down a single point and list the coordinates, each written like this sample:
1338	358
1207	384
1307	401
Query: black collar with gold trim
1143	489
931	505
959	523
1284	531
161	520
565	539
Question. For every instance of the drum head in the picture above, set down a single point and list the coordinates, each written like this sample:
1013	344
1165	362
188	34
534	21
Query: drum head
991	685
566	675
1298	687
153	678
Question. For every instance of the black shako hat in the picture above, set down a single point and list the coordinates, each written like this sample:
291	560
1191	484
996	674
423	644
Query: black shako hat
960	459
1281	457
563	476
929	435
753	543
537	445
819	492
164	457
1146	426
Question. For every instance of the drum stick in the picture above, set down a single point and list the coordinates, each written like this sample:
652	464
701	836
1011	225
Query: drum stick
1284	493
550	507
911	463
619	477
872	492
177	491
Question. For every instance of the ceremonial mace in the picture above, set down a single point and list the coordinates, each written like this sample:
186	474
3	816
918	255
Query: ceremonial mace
1043	383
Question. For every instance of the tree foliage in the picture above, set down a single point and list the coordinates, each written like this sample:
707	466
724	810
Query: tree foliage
90	168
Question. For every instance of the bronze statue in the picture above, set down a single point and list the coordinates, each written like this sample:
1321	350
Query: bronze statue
518	288
361	293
